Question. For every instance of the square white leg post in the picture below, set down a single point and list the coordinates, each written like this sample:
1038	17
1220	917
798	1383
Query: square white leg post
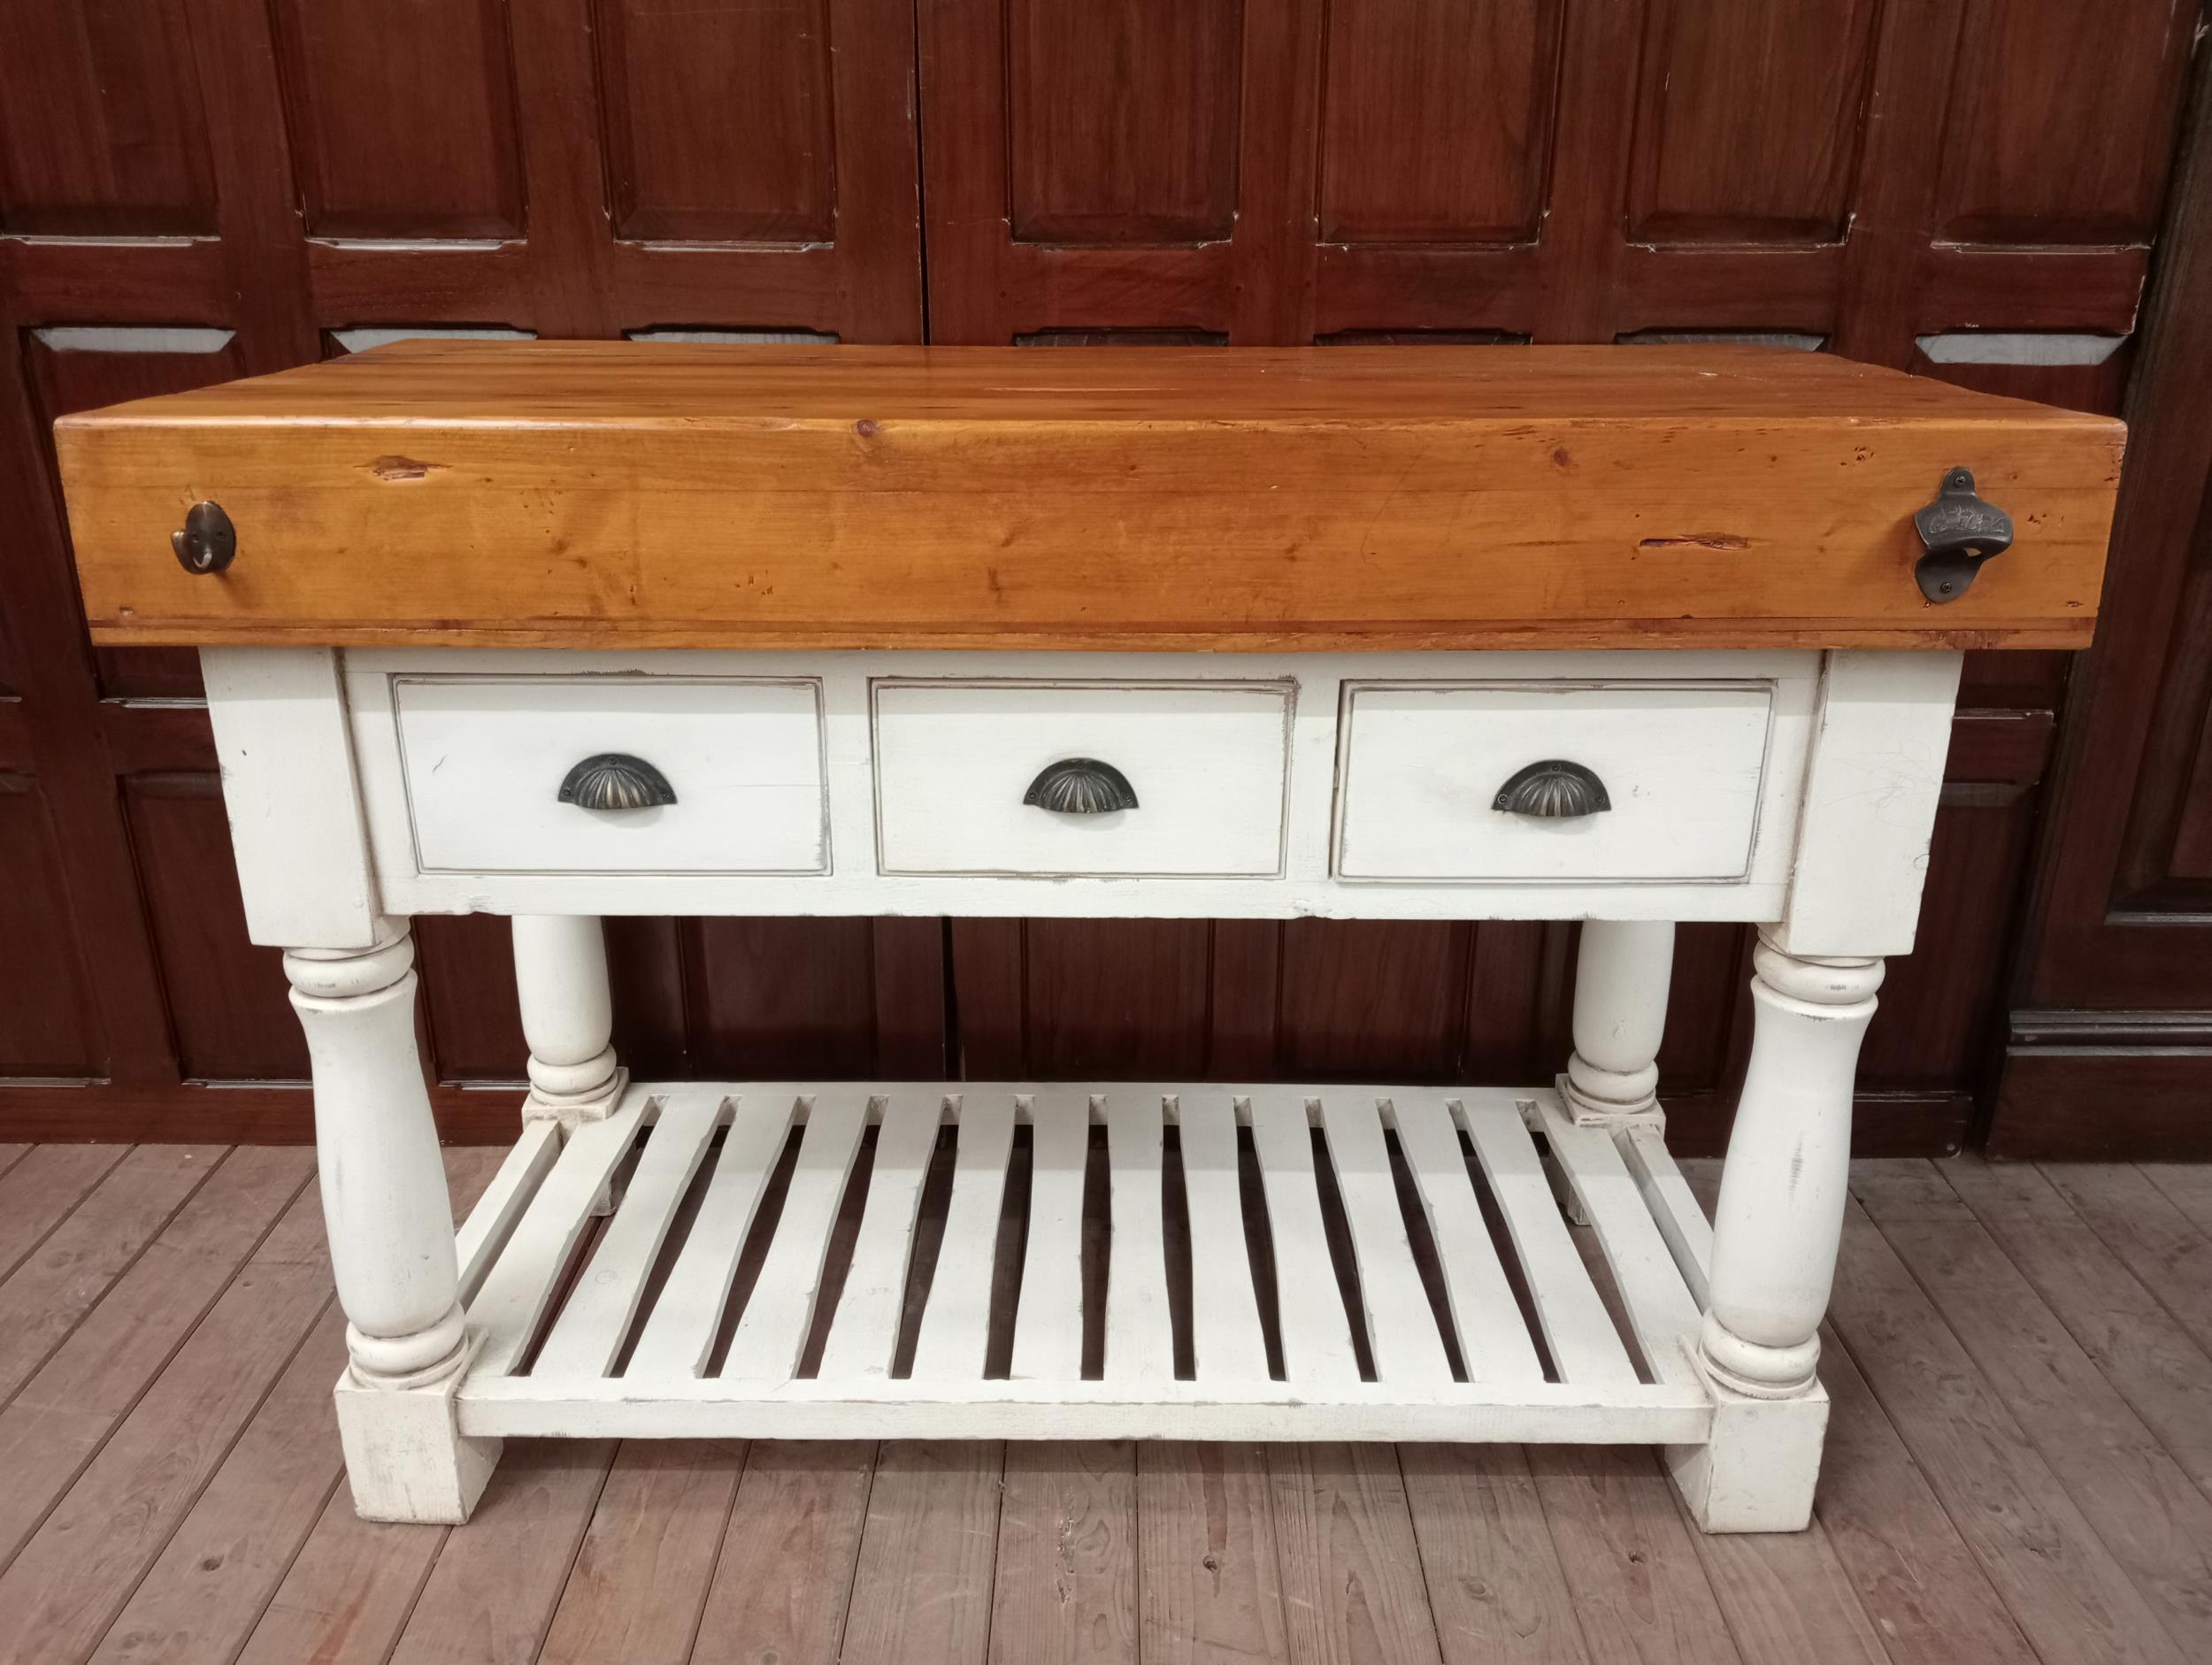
567	1018
1622	976
1775	1236
390	1222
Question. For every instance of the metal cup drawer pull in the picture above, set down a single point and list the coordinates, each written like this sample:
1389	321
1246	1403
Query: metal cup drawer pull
616	780
1553	790
1081	785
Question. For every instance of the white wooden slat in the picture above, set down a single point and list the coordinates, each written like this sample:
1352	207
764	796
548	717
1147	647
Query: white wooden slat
1673	1205
715	1407
1317	1343
1048	1320
956	1315
1578	1329
586	1337
780	1310
1401	1324
515	1290
1492	1340
521	1171
1139	1337
865	1333
1225	1332
1660	1309
679	1331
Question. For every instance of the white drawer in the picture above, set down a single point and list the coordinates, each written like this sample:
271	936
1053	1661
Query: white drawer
1681	765
484	760
1208	763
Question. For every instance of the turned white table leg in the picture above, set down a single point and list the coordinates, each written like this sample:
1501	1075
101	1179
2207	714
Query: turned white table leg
1775	1236
567	1017
1622	975
390	1223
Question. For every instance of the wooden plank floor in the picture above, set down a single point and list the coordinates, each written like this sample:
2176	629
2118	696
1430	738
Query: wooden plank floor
2019	1470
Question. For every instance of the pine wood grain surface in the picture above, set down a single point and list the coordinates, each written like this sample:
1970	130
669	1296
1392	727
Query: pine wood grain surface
622	495
2016	1471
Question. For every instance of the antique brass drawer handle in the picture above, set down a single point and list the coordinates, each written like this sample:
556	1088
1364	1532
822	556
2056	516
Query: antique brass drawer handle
1553	790
1081	785
616	780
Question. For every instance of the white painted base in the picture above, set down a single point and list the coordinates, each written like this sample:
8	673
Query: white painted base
1757	1470
406	1457
655	1295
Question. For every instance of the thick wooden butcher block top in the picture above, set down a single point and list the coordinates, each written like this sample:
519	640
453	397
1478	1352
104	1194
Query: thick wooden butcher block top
622	494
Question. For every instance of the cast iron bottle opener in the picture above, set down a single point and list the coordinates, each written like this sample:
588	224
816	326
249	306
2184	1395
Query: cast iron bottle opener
1960	532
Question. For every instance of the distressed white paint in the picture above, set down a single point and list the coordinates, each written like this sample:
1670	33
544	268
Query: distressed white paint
1306	886
1780	1216
1400	1326
1623	971
1493	1341
1048	1317
567	1009
865	1331
1316	1339
1794	790
1872	784
1684	766
281	741
1140	1345
955	1318
484	757
1208	763
1227	1341
769	1338
678	1338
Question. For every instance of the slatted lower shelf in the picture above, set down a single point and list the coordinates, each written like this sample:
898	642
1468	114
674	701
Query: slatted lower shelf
897	1260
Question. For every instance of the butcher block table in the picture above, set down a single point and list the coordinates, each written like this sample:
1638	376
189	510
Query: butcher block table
1626	635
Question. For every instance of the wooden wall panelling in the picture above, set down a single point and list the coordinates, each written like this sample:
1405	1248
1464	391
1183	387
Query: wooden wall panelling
1518	170
402	118
228	1009
49	1029
1495	170
191	190
2114	994
128	1038
116	141
1121	166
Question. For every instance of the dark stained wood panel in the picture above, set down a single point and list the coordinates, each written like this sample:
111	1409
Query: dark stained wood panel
2039	131
1123	998
403	116
719	120
471	1019
2061	120
1932	1026
1436	119
1122	119
46	1024
1748	115
227	1000
1373	999
776	999
101	128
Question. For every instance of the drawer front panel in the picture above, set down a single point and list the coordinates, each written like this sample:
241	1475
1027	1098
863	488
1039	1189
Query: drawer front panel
483	759
1682	765
1208	763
